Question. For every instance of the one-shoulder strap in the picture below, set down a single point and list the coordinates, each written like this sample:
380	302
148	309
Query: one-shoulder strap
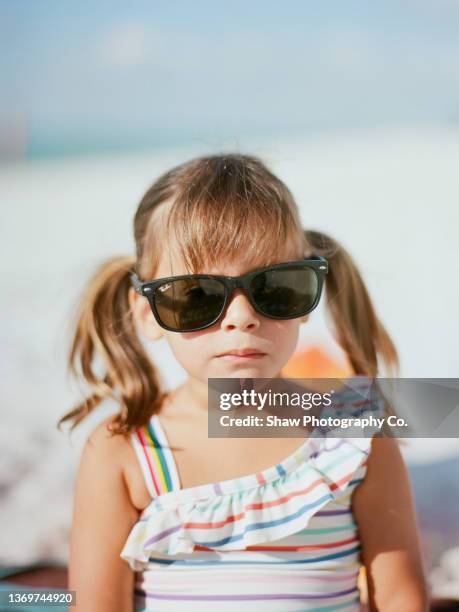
155	458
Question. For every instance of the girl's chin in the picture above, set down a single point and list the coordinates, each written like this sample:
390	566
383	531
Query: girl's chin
244	371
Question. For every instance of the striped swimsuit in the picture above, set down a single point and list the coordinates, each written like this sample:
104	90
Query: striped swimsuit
283	539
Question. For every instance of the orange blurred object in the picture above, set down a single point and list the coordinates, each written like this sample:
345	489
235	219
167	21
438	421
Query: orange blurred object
314	363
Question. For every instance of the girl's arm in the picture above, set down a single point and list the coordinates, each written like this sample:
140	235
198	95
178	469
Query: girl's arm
385	515
102	518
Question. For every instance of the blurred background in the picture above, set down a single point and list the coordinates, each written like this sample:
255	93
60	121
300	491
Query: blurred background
354	106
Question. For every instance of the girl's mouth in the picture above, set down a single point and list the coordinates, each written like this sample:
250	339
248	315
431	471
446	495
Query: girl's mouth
242	355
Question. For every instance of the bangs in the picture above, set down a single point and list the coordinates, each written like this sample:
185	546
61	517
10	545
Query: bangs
227	216
234	234
224	210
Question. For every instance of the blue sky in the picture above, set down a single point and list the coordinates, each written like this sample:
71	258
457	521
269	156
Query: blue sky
90	75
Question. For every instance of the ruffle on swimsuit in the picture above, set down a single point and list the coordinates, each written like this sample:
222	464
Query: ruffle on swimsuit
251	510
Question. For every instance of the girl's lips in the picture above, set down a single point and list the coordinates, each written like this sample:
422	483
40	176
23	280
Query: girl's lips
246	357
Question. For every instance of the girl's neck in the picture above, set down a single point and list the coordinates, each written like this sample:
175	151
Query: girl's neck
191	397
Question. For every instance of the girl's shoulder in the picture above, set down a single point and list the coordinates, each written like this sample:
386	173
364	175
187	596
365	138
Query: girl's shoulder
386	474
104	443
116	454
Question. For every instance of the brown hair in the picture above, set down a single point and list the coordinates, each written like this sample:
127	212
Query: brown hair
357	328
215	208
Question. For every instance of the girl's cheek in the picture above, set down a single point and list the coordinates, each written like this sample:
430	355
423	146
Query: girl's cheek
286	338
190	352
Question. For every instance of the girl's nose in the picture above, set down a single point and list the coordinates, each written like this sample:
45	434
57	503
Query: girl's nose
240	313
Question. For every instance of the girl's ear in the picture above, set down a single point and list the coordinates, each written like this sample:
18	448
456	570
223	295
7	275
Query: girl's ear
143	316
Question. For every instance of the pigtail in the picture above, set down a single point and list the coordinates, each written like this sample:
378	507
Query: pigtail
359	331
105	330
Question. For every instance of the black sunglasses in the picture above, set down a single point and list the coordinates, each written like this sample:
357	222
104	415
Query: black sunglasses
191	302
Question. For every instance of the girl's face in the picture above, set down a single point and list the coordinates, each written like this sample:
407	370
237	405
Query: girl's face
201	353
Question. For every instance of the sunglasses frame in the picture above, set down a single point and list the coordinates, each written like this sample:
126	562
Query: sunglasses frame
148	288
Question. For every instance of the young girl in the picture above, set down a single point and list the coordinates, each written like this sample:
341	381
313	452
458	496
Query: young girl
166	518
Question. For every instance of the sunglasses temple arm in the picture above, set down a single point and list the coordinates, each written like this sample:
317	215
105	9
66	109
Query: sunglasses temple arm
323	262
136	283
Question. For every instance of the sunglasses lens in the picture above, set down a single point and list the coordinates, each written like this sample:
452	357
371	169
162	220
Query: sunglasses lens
286	292
187	304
